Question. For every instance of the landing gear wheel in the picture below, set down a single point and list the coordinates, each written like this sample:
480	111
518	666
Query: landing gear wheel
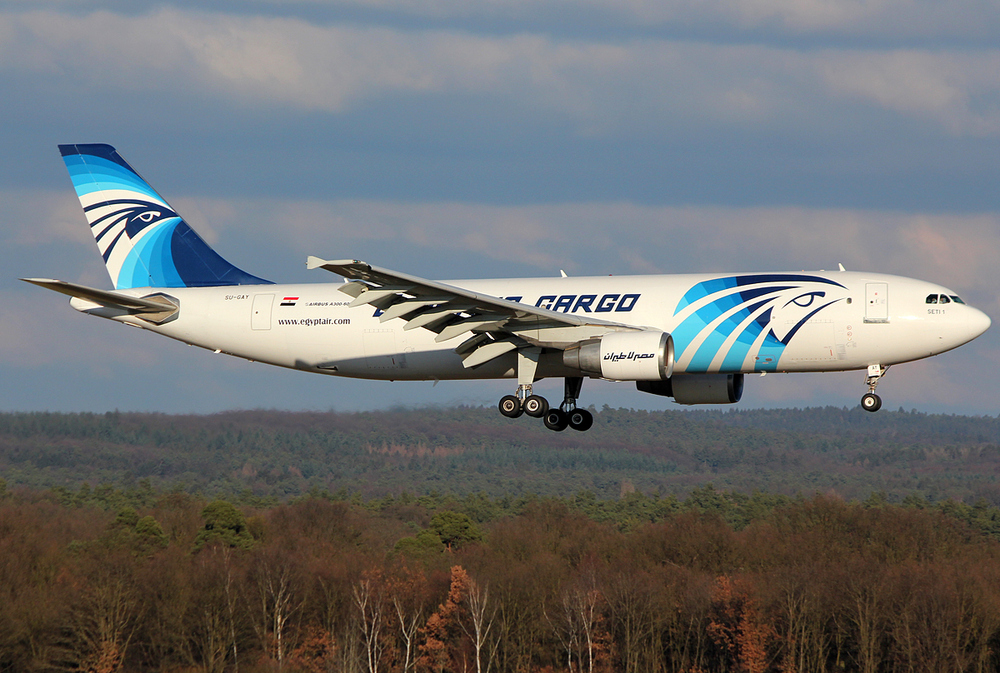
581	419
536	406
510	406
871	402
556	420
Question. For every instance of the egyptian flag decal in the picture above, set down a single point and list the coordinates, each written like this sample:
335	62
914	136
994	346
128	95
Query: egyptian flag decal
289	301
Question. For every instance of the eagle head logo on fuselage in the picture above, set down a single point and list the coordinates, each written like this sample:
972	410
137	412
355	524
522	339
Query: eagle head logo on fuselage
744	323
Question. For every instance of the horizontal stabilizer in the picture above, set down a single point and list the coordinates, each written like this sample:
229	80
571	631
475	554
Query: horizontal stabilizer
155	309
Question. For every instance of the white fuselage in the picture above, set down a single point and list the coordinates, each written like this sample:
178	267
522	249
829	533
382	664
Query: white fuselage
821	322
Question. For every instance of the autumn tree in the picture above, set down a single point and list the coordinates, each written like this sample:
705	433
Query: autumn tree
737	626
439	649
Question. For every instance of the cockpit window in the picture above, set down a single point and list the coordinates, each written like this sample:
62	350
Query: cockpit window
943	299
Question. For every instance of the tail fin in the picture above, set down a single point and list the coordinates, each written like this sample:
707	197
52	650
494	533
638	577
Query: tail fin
145	243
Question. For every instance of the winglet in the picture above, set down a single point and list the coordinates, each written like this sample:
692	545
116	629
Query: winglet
334	265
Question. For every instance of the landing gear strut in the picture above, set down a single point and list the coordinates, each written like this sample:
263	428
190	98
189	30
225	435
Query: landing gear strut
870	401
567	415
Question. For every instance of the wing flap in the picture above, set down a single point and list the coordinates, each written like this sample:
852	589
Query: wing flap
488	352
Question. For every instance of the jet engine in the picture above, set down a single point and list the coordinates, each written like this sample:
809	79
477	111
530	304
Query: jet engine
697	388
624	356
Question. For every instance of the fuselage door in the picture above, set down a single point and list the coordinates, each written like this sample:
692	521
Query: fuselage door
260	316
876	302
380	349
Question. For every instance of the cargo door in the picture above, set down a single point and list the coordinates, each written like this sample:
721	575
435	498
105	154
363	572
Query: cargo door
380	349
876	302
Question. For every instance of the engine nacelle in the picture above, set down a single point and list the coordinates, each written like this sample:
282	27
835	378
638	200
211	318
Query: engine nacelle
697	388
625	356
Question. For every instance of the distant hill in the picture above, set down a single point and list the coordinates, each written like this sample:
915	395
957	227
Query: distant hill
847	452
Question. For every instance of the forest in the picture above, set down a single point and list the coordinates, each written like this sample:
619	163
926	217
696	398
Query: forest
445	540
711	583
277	455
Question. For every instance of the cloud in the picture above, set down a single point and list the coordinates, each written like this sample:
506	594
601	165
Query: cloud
882	19
605	87
959	91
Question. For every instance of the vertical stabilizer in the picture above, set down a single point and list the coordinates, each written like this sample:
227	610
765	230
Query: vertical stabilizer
144	242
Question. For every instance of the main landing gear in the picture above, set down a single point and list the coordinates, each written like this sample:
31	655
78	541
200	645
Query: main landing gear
870	401
567	415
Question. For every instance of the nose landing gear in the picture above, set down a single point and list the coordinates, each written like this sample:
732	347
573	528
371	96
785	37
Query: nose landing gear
567	415
870	401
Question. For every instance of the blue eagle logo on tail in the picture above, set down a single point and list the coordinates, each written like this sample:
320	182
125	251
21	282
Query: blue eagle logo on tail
144	242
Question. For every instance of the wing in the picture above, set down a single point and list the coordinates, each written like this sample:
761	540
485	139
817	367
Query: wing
490	326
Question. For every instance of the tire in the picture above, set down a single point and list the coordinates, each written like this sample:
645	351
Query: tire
581	419
871	402
510	406
536	406
556	420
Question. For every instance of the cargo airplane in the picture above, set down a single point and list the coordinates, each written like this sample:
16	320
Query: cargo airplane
692	337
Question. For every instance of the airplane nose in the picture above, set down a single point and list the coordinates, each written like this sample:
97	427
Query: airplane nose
978	322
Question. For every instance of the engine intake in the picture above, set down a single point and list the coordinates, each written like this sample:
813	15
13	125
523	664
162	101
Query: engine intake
697	388
625	356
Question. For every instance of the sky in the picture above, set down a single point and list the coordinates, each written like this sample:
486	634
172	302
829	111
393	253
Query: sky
495	138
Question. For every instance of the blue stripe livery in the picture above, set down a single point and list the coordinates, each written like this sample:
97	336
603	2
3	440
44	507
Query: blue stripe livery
762	311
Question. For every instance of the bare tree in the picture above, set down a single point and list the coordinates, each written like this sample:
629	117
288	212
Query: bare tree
482	615
274	581
409	624
369	597
106	618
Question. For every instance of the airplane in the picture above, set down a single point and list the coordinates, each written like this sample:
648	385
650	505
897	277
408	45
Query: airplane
691	337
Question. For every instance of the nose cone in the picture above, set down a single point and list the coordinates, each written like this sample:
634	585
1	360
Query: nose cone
978	322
